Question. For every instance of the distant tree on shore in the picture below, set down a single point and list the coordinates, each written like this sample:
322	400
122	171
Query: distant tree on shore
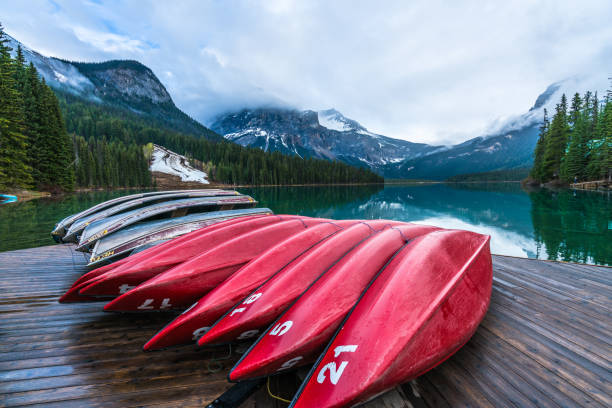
575	145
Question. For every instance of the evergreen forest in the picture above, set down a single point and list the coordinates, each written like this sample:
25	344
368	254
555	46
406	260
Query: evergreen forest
576	144
55	141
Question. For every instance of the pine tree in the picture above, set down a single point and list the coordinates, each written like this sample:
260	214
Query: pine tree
556	142
14	169
538	161
573	161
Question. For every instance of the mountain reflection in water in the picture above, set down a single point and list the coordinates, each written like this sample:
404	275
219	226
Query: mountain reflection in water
563	225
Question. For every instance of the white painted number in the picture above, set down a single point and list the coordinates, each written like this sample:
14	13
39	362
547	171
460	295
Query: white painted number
335	372
248	334
252	298
238	310
199	333
341	349
281	328
290	363
146	305
125	288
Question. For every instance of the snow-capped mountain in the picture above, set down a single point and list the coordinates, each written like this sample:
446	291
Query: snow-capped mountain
325	134
168	162
124	84
508	144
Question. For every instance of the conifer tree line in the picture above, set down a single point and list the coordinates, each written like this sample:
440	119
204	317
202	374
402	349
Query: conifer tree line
56	141
576	144
35	150
225	162
110	164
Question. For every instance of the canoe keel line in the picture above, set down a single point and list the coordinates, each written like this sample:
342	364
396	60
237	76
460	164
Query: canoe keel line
372	303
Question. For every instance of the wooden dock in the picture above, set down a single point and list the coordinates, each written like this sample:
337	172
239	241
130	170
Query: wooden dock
546	341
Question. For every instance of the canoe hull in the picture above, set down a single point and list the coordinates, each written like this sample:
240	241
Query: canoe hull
263	305
189	281
79	225
124	242
191	325
425	305
171	256
214	233
170	209
295	338
61	227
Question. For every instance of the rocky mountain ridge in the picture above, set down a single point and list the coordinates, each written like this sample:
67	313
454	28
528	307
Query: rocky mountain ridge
325	134
126	84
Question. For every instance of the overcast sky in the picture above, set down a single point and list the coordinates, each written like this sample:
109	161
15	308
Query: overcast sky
427	71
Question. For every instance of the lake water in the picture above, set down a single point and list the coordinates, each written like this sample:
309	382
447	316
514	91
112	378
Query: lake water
564	225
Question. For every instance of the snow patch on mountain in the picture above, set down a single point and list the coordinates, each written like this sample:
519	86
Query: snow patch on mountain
333	120
168	162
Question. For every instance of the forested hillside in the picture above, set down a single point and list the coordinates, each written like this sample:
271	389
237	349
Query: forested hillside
35	150
225	162
576	145
57	141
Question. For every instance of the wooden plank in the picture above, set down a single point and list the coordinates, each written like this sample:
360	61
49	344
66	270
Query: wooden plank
545	342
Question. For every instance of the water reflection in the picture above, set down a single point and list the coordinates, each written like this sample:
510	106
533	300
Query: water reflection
565	225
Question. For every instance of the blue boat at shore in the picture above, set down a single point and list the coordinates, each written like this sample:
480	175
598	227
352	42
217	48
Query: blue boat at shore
7	198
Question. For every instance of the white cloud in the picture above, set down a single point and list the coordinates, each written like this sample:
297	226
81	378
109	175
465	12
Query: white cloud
108	42
429	71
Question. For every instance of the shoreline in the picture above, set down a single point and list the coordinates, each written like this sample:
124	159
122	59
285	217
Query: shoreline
26	195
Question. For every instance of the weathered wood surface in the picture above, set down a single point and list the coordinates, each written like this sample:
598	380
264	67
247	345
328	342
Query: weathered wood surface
545	342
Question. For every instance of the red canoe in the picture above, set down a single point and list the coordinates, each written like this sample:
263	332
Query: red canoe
420	310
147	253
268	301
130	275
186	245
184	284
296	338
192	324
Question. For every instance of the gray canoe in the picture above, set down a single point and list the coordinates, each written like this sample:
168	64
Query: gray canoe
79	225
167	209
129	239
62	226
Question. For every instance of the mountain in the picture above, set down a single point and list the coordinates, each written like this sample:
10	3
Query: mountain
325	134
123	84
508	145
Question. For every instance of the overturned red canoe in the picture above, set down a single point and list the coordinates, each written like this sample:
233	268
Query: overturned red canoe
192	324
420	310
296	338
147	253
189	325
183	285
265	303
128	276
208	236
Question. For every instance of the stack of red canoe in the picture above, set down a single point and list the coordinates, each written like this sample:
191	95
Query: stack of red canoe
371	303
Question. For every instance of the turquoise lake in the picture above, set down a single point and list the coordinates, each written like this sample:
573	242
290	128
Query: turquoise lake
559	225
